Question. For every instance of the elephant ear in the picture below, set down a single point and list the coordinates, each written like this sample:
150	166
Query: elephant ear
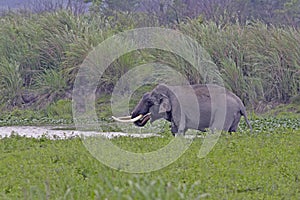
165	105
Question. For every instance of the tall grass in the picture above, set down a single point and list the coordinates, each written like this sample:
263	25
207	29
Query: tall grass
277	63
49	49
11	83
50	85
259	62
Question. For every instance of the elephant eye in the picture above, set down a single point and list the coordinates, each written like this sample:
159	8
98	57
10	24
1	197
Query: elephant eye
149	102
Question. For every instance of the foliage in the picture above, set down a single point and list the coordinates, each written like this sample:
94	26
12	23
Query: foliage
281	12
42	52
285	111
51	86
296	100
264	165
11	83
257	62
62	109
54	114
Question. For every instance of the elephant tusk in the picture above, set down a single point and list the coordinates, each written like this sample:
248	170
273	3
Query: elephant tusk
146	118
126	120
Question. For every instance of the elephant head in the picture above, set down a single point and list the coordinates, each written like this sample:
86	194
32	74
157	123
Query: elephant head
153	105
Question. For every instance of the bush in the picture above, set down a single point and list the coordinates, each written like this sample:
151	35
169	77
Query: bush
258	62
43	52
61	109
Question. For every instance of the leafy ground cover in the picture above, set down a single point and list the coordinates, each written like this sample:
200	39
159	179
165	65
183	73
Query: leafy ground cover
56	113
263	165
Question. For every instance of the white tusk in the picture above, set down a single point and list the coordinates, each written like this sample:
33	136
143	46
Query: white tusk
124	118
127	120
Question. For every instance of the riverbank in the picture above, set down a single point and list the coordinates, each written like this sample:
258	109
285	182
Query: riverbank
53	132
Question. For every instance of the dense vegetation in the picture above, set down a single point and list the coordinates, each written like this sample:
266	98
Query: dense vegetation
241	166
256	47
40	54
281	12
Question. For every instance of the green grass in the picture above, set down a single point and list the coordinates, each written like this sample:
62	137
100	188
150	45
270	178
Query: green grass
264	165
40	55
56	113
285	110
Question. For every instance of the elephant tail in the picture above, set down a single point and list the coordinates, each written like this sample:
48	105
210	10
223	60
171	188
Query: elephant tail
243	112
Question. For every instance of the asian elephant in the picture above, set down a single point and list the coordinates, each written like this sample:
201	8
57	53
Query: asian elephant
197	107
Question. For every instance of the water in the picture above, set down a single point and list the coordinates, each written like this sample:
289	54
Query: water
62	132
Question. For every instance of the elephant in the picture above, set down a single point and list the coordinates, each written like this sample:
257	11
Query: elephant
199	107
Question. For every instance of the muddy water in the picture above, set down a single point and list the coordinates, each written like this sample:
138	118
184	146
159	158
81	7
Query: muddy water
60	132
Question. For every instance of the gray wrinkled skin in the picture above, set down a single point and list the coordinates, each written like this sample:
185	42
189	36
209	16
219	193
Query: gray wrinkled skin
192	107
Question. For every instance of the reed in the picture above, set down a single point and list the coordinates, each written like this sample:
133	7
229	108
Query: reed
258	62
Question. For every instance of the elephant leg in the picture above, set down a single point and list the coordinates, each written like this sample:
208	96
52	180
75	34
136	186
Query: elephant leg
182	129
235	123
174	128
181	132
219	122
179	128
